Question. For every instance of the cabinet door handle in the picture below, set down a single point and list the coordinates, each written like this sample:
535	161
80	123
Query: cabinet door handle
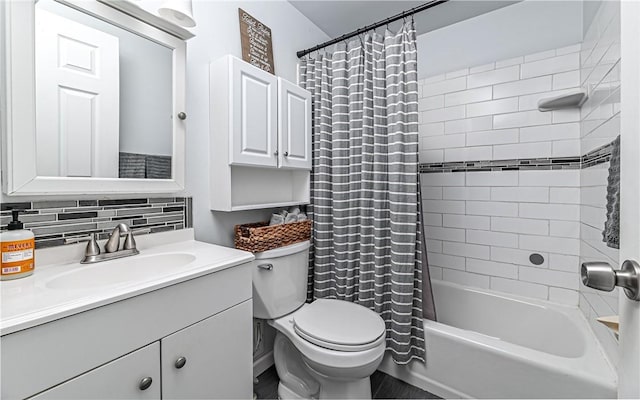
275	153
145	383
180	362
182	115
286	153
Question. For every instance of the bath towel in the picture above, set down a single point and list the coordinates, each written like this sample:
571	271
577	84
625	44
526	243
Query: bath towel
611	233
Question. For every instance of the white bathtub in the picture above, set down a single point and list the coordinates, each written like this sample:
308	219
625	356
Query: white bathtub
492	345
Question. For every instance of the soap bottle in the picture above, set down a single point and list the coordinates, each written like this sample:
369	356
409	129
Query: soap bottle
17	244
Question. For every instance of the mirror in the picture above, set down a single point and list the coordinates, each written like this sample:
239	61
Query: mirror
103	98
92	100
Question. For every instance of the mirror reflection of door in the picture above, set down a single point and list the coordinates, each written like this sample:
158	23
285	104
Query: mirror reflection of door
77	102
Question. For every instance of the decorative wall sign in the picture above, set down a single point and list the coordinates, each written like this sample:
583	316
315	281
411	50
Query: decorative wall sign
256	42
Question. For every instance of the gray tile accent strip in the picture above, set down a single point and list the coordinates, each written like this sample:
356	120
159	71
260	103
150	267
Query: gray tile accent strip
54	221
597	156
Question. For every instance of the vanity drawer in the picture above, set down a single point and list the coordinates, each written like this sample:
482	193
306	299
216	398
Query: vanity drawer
38	358
119	379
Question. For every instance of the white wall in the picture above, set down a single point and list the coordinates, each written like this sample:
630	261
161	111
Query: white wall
217	34
522	28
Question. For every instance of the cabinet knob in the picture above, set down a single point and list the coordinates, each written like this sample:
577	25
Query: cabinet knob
180	362
275	153
286	153
182	115
145	383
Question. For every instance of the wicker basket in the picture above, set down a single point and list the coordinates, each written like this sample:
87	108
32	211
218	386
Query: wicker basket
258	237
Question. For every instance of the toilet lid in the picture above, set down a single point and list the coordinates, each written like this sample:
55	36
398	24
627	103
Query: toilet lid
339	325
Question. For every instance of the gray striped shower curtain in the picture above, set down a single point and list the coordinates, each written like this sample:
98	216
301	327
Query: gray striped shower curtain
364	191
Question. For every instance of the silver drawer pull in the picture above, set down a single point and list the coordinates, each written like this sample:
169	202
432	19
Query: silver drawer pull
180	362
145	383
267	267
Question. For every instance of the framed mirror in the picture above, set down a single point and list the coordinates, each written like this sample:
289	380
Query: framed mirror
93	101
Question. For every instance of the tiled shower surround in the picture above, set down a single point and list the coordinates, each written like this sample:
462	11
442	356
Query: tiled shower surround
54	221
513	189
600	124
502	181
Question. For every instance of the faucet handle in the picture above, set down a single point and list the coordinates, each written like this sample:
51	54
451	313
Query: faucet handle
92	247
129	242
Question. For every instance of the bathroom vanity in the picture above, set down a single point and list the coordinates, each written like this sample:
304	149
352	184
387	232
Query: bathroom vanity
172	322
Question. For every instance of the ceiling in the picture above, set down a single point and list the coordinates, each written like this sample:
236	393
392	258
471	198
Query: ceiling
339	17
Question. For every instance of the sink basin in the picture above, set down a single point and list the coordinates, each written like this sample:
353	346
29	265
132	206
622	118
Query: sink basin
119	270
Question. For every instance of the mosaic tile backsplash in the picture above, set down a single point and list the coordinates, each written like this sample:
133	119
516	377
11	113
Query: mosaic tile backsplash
52	222
595	157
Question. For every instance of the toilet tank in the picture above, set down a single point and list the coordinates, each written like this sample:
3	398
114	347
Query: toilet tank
280	280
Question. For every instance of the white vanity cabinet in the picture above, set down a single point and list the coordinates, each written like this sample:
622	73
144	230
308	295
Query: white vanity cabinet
120	379
110	351
260	138
207	359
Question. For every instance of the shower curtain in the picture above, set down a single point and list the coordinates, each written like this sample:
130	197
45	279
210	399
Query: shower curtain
367	235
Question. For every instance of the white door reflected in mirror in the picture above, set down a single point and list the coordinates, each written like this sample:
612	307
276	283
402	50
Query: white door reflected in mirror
77	102
103	98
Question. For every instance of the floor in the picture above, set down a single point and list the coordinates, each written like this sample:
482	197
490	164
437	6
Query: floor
383	386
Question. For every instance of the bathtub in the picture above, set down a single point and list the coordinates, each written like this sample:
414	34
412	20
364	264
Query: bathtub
493	345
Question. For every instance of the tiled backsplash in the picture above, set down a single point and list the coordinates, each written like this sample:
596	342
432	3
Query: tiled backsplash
56	220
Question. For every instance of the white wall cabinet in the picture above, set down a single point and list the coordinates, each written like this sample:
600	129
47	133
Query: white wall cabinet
294	126
253	130
260	138
108	351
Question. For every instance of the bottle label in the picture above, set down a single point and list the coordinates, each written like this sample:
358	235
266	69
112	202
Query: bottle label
17	257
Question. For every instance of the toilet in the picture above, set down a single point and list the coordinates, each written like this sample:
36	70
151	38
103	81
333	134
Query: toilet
326	349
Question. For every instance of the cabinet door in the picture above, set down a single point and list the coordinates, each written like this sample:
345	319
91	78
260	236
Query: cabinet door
119	379
218	358
254	125
294	126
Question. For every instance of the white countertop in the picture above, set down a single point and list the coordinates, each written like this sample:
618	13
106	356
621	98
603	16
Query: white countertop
30	301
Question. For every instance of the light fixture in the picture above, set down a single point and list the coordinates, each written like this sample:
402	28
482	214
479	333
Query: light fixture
180	12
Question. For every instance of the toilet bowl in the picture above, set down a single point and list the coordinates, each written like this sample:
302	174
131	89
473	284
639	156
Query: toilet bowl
324	349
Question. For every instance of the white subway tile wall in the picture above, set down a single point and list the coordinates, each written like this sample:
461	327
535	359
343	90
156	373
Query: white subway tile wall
491	110
600	124
493	221
482	226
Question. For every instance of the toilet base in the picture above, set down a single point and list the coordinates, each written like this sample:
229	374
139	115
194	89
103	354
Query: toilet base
333	389
329	389
284	393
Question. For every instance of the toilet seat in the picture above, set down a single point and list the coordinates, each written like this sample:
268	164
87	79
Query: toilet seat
339	325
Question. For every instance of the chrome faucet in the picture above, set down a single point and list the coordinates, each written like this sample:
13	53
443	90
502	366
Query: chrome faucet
113	243
112	249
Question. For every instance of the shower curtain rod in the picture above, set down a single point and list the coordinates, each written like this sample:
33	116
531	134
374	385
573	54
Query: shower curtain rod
367	28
